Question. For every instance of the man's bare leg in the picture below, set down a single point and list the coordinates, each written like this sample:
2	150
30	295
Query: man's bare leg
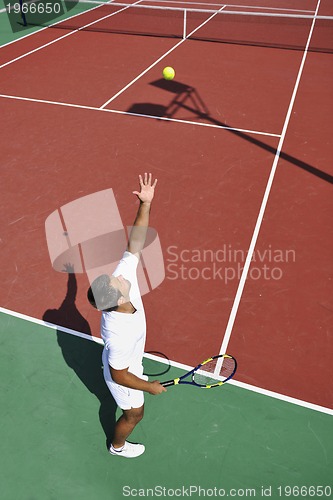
125	425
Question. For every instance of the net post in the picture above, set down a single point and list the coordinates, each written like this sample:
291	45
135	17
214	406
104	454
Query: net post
184	24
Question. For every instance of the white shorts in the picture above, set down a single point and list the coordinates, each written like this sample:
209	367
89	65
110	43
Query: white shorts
124	397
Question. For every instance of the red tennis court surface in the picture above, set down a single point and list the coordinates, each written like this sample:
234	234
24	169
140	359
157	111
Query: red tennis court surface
70	129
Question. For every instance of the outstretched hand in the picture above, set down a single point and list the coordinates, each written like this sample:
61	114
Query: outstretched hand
69	268
147	189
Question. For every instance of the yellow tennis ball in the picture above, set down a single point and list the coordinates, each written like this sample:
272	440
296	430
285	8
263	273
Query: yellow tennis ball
169	73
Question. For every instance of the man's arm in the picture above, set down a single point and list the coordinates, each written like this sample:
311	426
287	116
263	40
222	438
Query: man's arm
127	379
139	230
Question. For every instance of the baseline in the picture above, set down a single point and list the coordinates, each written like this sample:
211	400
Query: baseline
175	364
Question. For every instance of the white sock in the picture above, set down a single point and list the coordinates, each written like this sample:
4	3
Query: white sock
117	449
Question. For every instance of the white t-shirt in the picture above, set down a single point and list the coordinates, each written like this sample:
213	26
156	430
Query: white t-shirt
124	335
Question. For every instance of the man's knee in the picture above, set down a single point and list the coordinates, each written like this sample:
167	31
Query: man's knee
134	415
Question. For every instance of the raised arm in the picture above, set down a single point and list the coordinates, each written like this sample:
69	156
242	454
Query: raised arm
139	230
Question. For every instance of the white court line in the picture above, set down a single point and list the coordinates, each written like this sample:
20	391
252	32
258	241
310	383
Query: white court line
264	202
67	34
175	364
118	112
159	59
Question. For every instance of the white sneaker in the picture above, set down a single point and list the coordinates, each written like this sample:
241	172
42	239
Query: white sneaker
130	450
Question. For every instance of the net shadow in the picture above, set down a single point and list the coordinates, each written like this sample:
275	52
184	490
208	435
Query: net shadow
188	98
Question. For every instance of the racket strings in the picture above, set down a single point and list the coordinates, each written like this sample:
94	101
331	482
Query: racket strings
214	371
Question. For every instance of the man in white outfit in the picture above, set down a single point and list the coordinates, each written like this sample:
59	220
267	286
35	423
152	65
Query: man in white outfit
123	330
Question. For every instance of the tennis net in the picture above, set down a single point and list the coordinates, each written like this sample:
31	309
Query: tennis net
278	30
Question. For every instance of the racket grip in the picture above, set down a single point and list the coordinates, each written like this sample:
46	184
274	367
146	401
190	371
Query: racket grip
168	383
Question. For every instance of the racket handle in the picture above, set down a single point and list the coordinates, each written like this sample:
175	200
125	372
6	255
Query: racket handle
168	383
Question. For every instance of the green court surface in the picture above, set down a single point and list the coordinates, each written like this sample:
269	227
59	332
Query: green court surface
6	33
221	442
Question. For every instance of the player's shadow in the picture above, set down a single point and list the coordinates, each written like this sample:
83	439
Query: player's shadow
186	97
83	356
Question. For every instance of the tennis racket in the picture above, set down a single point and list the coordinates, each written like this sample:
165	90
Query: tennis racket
212	372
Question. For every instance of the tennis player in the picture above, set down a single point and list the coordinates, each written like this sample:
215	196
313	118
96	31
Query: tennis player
123	330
